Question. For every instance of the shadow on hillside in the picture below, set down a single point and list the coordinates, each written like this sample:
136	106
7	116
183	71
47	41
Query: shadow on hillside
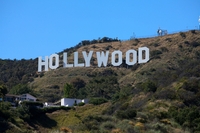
44	121
3	125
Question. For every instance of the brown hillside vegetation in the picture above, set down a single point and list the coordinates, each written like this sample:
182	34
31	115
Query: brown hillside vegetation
168	56
162	95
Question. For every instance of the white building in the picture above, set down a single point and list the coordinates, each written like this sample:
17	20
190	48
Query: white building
27	97
69	102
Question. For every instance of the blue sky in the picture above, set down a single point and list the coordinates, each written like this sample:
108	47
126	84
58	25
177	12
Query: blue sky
33	28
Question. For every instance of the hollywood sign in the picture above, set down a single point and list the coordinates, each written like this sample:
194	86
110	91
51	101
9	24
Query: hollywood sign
132	58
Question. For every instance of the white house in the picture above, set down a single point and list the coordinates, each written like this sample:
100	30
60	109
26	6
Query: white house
27	97
69	102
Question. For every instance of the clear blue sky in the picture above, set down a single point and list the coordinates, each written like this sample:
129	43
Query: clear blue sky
33	28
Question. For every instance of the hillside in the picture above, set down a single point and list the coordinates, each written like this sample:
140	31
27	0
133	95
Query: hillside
162	95
172	57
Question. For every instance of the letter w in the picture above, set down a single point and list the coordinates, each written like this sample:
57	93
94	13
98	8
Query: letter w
102	58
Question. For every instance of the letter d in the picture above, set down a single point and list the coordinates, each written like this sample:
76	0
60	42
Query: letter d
140	59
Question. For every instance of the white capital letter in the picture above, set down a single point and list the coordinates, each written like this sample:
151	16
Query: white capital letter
51	61
87	58
119	53
128	62
140	59
76	61
102	58
65	61
45	63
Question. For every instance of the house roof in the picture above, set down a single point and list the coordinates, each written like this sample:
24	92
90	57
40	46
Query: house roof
29	95
11	95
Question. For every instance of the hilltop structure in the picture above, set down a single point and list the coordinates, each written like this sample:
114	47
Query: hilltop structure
69	102
161	32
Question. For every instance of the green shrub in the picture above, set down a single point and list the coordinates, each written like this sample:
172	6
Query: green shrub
155	44
85	42
75	104
124	106
135	67
81	104
164	49
5	110
163	115
160	127
193	31
108	47
3	90
41	74
111	109
127	114
92	122
192	84
155	52
92	125
97	101
116	97
182	35
121	114
23	113
21	89
78	83
137	40
188	116
94	46
188	97
166	94
105	84
131	113
195	44
108	125
168	39
149	86
125	92
186	42
156	57
135	44
125	127
32	104
94	41
180	46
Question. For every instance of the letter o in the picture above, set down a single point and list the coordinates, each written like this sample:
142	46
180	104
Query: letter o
119	53
51	61
128	62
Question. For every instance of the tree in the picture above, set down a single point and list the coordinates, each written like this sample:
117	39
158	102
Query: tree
69	91
150	86
3	90
20	89
78	83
